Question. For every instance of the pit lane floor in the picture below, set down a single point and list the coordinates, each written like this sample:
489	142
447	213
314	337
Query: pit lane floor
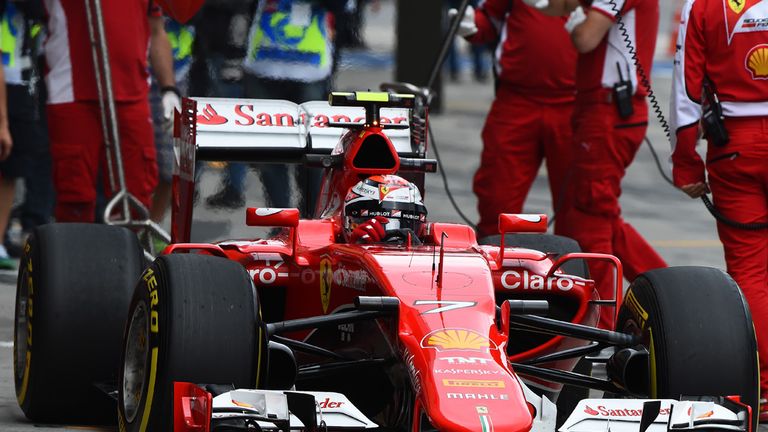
680	228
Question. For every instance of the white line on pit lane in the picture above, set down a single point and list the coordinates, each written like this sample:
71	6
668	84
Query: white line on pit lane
5	344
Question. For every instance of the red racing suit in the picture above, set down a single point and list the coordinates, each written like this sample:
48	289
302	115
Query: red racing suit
530	117
605	144
77	145
726	41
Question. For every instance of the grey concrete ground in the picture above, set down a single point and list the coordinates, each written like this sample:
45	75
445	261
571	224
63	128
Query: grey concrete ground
678	227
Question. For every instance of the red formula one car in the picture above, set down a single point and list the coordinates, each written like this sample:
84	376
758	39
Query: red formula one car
304	331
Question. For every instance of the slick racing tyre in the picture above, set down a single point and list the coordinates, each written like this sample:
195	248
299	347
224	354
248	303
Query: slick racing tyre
569	396
73	291
697	328
193	318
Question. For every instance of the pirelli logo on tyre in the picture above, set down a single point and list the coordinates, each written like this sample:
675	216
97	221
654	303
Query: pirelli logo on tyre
151	281
640	315
474	383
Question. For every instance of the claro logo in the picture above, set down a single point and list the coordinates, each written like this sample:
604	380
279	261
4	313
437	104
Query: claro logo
513	279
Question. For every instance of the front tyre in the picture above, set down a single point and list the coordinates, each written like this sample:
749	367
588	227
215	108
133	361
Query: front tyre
193	318
73	291
697	328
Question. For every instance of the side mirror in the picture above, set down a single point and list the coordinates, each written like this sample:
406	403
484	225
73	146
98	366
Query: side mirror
272	217
522	223
519	223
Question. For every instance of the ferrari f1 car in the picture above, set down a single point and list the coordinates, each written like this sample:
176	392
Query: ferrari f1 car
304	331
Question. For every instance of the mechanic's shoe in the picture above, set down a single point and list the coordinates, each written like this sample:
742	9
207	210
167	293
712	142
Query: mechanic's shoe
226	198
6	262
159	244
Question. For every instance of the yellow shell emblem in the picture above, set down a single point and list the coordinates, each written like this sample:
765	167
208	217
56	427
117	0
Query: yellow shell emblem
757	62
736	5
457	339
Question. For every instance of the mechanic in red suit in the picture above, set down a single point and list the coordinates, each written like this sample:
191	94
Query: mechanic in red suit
609	127
719	41
530	118
76	137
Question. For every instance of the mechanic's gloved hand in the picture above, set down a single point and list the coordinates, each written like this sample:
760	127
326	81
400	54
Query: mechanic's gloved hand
467	25
372	231
171	100
538	4
577	17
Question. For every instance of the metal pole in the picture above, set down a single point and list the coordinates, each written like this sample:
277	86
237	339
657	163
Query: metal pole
110	128
438	65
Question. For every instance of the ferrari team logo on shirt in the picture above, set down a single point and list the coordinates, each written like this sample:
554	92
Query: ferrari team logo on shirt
757	62
736	5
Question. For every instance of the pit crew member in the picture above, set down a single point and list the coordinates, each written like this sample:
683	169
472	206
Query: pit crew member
610	120
530	118
383	207
77	146
722	48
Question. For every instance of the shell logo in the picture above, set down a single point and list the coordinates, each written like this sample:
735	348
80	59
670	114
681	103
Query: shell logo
457	339
757	62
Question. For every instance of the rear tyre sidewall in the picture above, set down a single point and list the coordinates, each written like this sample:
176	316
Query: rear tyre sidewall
202	321
698	329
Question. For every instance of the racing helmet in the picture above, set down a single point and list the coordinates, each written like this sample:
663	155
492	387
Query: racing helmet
390	196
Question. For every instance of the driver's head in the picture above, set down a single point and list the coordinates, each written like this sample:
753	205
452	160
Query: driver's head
393	197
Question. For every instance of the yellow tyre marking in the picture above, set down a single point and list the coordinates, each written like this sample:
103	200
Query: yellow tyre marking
25	381
260	354
150	391
654	389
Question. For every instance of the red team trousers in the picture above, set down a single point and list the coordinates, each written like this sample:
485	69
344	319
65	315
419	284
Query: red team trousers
78	153
517	135
738	178
604	146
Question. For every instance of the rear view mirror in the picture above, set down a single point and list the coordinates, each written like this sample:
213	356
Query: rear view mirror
272	217
522	223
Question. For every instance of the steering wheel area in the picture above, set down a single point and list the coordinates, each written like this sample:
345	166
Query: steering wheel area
400	236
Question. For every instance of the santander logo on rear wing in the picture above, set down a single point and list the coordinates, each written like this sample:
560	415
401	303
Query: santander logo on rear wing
251	125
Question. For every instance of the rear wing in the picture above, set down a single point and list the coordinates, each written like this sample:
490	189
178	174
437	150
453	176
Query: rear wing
269	131
278	131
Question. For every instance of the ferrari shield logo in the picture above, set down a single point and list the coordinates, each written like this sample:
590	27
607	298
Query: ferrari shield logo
736	5
326	279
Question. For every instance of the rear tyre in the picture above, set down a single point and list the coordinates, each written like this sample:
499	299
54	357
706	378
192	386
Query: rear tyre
73	291
569	396
697	327
193	318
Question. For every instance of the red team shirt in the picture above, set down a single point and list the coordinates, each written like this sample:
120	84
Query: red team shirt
70	76
726	41
598	69
534	55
